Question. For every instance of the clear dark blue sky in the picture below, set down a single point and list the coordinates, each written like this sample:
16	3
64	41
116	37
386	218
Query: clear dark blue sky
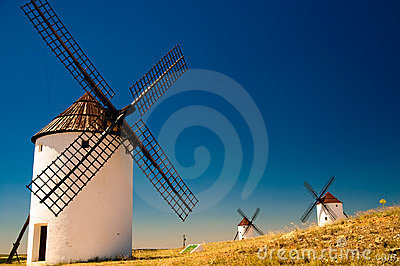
324	75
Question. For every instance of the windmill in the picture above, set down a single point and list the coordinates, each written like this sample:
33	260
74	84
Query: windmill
329	208
247	227
83	152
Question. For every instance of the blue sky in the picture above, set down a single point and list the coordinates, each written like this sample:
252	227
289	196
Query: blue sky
324	76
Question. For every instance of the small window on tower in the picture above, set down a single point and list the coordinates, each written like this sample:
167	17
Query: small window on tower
336	205
40	147
326	218
85	144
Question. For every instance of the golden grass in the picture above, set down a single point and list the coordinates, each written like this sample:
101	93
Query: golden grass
377	231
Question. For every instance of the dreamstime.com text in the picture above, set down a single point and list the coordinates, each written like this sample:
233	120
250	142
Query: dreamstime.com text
330	253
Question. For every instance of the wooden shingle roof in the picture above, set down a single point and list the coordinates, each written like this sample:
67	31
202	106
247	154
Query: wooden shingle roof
329	198
76	118
244	222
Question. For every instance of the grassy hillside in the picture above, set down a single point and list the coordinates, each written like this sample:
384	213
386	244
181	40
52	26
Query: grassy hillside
372	237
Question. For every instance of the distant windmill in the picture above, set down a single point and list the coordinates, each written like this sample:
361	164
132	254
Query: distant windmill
246	227
329	208
81	200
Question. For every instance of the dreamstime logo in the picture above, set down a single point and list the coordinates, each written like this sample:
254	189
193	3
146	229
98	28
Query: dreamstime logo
239	128
312	254
334	254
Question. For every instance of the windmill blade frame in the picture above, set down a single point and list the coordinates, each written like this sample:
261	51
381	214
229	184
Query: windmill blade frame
255	214
247	229
237	233
258	230
153	162
75	167
242	213
308	211
327	186
147	90
67	50
330	212
311	190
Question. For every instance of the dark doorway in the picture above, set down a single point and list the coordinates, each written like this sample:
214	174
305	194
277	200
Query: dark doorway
42	243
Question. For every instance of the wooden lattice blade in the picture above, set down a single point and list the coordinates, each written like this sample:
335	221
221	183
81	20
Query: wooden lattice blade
308	211
242	213
330	212
258	230
158	80
326	187
152	160
67	50
255	214
310	189
62	180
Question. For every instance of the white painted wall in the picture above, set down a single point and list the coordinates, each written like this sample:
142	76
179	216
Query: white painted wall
324	218
242	229
97	223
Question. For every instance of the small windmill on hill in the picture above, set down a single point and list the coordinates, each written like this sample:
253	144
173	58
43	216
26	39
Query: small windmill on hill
81	200
246	227
329	208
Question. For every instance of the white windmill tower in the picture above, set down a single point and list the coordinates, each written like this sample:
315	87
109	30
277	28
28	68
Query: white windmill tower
329	208
101	214
81	201
246	227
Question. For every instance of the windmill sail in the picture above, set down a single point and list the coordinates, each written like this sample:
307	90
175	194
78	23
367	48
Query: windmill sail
147	90
258	230
161	173
66	49
61	181
255	214
327	186
308	211
328	210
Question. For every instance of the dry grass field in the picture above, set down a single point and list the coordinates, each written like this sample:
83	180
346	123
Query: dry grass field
368	238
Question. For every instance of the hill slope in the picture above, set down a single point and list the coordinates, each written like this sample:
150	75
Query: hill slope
372	237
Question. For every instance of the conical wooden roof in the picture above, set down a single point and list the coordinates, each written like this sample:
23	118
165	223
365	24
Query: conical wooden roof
77	118
244	222
329	198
